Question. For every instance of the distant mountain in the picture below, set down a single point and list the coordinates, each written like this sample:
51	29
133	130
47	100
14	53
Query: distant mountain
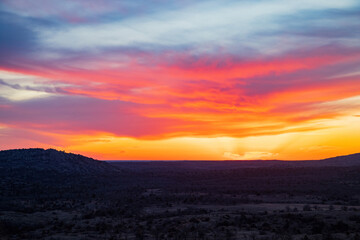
152	166
51	160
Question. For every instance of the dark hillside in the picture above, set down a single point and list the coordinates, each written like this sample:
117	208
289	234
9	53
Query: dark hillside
37	159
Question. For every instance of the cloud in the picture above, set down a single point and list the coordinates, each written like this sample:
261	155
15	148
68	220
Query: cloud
91	10
250	155
61	114
319	148
15	137
205	95
235	69
202	24
16	38
46	89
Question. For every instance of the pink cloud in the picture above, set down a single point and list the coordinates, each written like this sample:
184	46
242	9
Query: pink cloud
175	94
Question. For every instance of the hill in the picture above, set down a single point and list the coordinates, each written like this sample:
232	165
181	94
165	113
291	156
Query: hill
51	160
343	161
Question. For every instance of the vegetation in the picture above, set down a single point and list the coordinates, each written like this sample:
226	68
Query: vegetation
156	202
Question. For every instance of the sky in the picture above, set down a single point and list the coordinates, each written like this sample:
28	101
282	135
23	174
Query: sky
181	79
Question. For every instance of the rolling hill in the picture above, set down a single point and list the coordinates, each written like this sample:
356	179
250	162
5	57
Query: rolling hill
50	160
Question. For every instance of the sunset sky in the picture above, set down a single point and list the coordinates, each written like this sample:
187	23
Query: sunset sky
181	79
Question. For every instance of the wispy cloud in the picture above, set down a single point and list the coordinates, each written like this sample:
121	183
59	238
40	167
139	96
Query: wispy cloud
250	156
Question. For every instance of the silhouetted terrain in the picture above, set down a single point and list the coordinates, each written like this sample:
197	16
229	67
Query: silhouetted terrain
51	160
340	161
48	194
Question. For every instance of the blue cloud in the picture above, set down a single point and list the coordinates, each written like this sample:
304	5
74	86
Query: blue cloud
14	36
